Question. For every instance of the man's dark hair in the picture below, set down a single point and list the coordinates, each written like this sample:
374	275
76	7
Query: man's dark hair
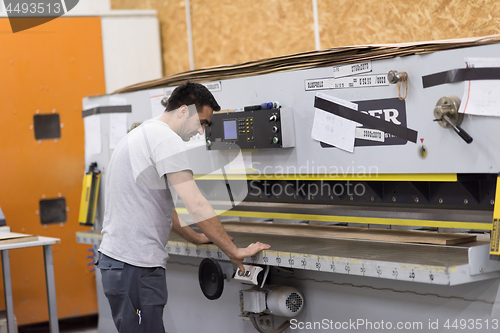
192	93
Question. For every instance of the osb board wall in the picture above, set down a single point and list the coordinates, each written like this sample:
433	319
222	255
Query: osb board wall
347	22
234	31
228	31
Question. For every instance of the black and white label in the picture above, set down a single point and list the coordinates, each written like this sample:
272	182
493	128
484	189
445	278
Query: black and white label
169	91
352	69
214	86
347	82
317	84
370	134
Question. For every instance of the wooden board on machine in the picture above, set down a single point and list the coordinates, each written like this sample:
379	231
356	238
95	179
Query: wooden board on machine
7	237
312	59
385	235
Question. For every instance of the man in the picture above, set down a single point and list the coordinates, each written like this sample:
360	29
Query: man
140	210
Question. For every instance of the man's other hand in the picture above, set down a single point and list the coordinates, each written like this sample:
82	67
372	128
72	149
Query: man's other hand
250	250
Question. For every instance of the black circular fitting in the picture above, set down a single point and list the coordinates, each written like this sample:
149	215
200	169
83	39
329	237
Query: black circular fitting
211	278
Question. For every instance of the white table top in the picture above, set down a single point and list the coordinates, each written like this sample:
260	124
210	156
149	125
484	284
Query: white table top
40	242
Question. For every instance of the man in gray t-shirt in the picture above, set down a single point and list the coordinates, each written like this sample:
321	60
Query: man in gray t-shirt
147	167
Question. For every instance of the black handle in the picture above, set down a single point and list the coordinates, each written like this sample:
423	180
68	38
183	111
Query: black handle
463	134
459	130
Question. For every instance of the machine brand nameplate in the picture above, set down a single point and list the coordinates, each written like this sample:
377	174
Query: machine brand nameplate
392	110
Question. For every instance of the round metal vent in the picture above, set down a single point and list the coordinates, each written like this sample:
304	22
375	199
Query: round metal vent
294	302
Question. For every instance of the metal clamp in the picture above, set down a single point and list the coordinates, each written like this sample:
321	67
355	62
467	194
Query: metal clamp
446	114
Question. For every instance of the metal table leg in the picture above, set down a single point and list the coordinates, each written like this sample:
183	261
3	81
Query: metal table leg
7	286
51	288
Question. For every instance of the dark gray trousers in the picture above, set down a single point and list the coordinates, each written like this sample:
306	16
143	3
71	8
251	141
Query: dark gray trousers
137	295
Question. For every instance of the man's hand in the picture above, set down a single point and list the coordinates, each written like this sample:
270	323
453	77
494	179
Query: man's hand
250	250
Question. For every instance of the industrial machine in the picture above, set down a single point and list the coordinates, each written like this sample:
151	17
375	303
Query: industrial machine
374	180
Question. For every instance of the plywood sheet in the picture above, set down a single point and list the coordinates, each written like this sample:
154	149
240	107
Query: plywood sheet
383	235
14	237
235	31
345	22
417	254
229	32
312	59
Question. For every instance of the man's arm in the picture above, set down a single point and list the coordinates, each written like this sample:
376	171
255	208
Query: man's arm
205	218
186	232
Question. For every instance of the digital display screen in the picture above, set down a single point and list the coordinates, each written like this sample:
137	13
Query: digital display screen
230	132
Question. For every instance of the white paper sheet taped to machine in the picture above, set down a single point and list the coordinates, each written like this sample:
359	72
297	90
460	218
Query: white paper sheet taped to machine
92	125
155	97
117	123
332	129
481	97
117	128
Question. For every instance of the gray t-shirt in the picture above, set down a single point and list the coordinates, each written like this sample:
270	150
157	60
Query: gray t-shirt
138	200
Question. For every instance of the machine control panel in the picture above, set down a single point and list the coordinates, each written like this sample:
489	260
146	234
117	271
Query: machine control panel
272	128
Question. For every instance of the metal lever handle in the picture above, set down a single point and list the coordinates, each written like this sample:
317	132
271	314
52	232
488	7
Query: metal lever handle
463	134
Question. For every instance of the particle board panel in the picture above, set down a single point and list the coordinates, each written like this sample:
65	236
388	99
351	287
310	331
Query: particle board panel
235	31
345	22
13	237
382	235
172	15
434	264
311	59
416	254
228	32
